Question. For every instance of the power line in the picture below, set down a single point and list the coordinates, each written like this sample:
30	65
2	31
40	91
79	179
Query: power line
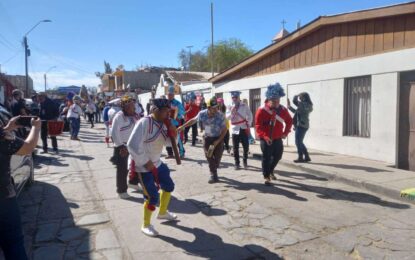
64	62
12	57
7	42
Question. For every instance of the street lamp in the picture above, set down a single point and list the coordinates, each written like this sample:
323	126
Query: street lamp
44	75
27	52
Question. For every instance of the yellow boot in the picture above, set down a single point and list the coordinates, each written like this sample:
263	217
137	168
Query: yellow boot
164	203
147	228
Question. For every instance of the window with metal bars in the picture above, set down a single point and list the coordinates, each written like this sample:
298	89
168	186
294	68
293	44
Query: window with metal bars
357	103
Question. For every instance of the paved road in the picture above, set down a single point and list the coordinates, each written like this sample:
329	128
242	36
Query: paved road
73	212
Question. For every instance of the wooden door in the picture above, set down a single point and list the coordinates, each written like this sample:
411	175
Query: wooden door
406	145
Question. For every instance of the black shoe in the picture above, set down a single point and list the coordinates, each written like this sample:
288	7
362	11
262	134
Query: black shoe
55	151
272	176
299	160
237	167
267	181
44	151
307	159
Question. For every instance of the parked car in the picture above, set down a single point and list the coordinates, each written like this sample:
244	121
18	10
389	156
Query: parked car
22	167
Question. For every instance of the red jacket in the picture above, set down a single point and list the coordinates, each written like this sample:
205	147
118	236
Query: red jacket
191	111
263	119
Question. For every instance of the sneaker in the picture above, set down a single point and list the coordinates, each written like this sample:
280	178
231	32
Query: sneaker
149	231
272	176
168	216
211	180
124	196
237	167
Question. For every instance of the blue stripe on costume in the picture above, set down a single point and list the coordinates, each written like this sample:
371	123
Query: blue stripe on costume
150	188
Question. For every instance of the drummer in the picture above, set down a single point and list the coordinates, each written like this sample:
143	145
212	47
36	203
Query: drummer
48	111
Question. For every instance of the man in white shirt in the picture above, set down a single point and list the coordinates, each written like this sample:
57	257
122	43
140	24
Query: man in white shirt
240	117
74	117
122	126
145	145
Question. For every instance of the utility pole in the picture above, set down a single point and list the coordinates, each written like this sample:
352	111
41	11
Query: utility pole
27	54
44	75
212	47
190	56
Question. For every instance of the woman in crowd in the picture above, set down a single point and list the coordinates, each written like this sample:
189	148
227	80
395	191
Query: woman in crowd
301	123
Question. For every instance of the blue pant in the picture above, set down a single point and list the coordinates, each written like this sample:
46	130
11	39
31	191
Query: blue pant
11	234
299	141
149	186
75	125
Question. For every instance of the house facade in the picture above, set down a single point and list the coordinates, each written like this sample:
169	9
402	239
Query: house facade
358	69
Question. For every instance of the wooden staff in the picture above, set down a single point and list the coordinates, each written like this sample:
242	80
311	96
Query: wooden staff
173	140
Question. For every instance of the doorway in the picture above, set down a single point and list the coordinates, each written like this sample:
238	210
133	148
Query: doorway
406	143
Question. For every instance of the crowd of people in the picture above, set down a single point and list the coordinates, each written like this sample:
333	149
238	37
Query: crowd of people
139	140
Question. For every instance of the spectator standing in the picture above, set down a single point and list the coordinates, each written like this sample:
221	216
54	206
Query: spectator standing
11	233
48	111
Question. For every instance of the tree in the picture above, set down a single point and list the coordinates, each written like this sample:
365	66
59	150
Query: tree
107	70
227	53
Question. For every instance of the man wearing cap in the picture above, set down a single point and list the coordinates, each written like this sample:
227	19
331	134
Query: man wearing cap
145	145
48	111
215	130
241	119
192	109
273	123
122	126
177	113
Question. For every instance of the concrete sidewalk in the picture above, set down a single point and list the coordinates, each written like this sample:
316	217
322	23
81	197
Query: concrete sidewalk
378	177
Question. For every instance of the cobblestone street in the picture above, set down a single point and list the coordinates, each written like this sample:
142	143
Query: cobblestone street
73	212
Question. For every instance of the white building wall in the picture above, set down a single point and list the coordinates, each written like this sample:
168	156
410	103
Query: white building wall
325	83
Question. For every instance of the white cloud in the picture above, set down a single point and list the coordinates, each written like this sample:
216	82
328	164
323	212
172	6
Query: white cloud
63	78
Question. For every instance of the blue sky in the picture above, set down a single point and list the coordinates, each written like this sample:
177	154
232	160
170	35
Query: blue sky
133	32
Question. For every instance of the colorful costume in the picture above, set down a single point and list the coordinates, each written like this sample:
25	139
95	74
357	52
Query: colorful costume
177	113
192	109
269	124
214	126
146	144
241	119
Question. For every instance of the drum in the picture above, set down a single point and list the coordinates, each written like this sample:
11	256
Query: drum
55	128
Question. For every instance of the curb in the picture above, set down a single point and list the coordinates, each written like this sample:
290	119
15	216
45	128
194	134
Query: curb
375	188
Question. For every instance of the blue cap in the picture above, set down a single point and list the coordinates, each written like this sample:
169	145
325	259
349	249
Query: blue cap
235	93
274	91
171	90
191	96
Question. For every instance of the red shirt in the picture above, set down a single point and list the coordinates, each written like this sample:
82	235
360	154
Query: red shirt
191	110
263	118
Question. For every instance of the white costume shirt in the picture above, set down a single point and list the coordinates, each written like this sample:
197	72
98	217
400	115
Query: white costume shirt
122	127
74	111
112	112
146	142
240	118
